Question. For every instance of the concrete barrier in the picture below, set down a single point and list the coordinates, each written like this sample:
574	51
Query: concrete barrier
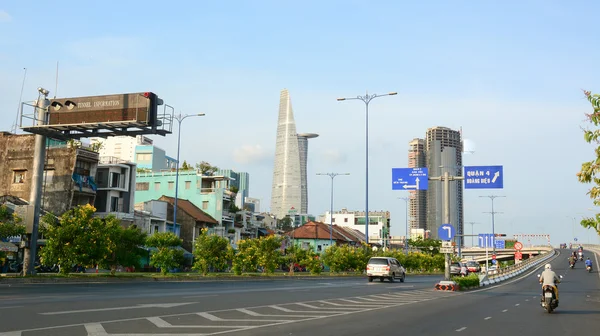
515	270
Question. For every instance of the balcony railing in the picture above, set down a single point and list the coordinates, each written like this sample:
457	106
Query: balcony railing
111	160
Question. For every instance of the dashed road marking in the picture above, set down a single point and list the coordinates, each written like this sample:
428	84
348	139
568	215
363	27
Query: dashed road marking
461	329
487	318
517	304
505	310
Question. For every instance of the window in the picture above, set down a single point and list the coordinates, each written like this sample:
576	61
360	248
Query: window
333	219
171	185
188	185
346	220
115	180
19	176
142	186
155	228
49	175
319	248
157	186
82	168
49	163
114	204
143	157
204	205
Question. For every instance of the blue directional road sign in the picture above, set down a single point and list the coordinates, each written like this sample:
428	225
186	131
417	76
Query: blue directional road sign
486	240
484	177
410	179
500	244
446	232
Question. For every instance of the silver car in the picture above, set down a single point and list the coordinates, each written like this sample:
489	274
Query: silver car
385	267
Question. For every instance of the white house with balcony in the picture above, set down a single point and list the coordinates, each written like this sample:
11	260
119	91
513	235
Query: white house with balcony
116	188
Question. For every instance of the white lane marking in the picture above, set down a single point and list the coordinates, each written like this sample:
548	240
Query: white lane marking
333	308
287	310
597	264
139	306
518	304
214	318
95	329
285	319
527	300
461	329
505	310
487	318
160	323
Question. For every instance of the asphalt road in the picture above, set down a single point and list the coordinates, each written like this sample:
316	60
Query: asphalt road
339	306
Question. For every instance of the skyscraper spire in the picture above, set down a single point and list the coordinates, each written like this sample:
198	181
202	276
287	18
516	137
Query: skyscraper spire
286	191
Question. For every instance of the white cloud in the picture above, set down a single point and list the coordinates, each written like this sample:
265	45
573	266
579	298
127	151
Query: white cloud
250	154
4	16
334	156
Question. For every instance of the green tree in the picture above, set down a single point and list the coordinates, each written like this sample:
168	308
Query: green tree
269	253
590	169
186	166
79	238
167	256
212	252
206	168
128	249
10	224
285	224
246	258
429	246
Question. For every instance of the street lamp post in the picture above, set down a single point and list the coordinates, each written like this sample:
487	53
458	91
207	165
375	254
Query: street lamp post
472	225
179	119
367	99
332	175
493	197
406	199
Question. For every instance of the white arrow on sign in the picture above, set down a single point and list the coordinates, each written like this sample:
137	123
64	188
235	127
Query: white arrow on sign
496	175
148	305
416	186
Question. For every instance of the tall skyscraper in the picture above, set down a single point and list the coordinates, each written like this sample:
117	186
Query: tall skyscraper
303	146
286	193
444	154
417	204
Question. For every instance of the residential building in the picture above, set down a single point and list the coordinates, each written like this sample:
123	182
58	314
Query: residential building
115	179
241	181
303	150
138	149
191	218
122	146
417	203
444	154
68	173
151	217
211	194
316	236
379	223
252	204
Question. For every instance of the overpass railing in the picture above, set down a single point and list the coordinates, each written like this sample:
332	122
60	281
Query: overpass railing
514	270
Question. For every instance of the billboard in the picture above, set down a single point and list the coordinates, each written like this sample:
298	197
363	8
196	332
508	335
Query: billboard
136	108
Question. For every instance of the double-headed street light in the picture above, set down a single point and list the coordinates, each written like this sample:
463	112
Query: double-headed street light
367	99
179	119
493	197
332	175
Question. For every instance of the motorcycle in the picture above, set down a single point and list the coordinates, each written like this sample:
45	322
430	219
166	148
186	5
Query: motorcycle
572	265
549	302
589	269
580	256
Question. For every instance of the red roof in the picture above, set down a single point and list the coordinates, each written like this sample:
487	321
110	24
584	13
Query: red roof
317	230
190	209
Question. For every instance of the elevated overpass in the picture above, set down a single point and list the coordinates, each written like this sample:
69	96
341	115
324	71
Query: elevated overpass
478	254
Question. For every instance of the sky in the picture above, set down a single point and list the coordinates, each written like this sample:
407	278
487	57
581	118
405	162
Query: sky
510	73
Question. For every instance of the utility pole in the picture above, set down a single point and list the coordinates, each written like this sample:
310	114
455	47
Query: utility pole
472	234
332	175
446	178
406	199
37	180
493	197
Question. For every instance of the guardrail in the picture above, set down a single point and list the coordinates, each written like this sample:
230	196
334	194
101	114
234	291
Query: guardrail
514	270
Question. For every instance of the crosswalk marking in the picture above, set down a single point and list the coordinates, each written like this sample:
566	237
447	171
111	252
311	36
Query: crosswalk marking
235	320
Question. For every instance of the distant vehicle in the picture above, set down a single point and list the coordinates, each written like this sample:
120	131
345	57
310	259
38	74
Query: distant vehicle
473	266
455	268
385	268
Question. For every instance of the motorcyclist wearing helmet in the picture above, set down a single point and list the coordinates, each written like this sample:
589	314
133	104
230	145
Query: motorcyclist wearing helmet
549	278
588	262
